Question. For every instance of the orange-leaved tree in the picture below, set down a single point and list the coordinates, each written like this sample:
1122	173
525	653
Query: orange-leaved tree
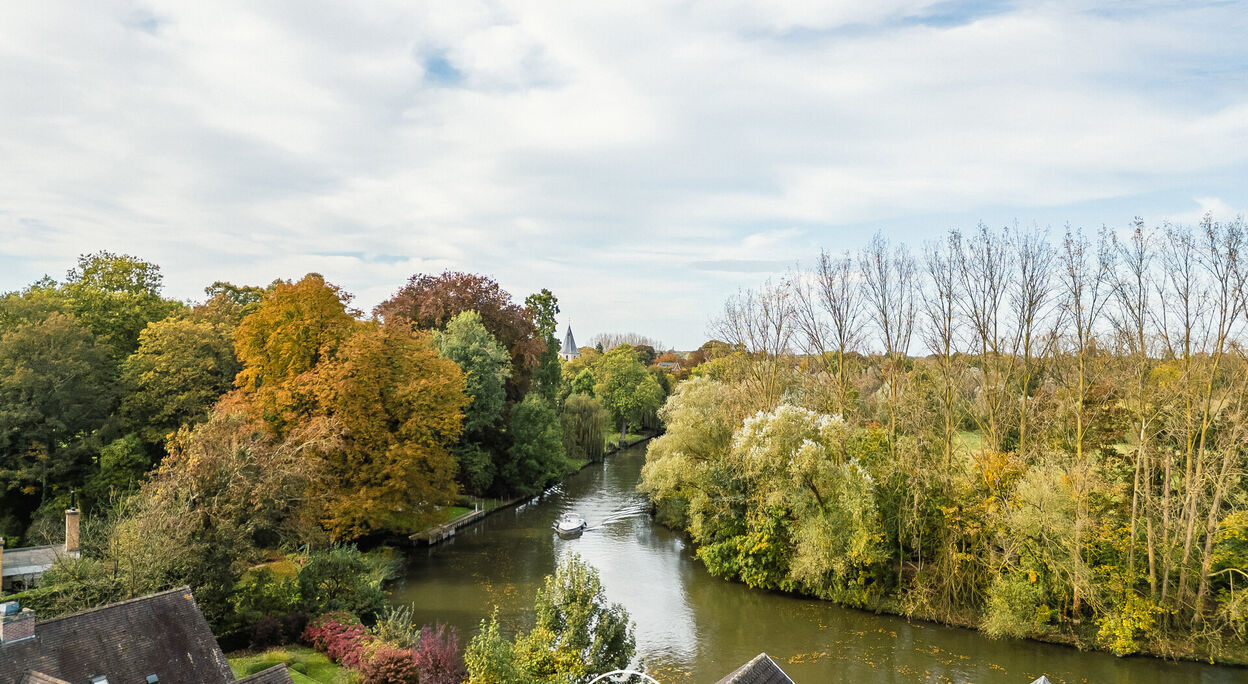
399	407
297	326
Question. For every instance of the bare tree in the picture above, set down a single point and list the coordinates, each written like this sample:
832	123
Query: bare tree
1085	279
984	281
761	324
940	309
828	310
1031	296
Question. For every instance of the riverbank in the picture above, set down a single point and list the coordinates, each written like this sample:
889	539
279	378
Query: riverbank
1084	640
692	627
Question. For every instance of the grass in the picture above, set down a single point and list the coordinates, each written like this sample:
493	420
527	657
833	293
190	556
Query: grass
410	521
970	440
305	665
629	440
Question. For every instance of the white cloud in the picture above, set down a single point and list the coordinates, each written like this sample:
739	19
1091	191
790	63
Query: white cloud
640	159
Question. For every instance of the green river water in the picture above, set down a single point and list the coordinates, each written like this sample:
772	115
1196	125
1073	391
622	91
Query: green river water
692	627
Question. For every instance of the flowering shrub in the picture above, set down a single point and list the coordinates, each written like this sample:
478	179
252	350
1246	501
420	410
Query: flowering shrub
339	636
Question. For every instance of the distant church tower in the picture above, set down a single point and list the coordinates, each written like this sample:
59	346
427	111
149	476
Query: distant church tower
569	351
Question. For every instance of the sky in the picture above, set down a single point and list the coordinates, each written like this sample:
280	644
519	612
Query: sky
642	160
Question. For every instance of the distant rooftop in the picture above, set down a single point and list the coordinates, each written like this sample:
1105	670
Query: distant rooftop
761	670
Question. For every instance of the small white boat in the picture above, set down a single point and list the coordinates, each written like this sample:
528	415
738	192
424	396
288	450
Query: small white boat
571	524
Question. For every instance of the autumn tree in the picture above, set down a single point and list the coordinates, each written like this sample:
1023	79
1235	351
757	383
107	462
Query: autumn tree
398	407
430	301
296	326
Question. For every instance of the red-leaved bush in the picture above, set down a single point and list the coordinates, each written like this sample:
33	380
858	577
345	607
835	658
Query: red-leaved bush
339	636
437	656
388	664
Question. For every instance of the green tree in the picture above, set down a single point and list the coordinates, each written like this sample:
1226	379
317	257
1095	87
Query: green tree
585	424
584	383
536	458
578	635
180	369
491	659
122	465
31	305
55	395
485	364
626	389
544	307
116	296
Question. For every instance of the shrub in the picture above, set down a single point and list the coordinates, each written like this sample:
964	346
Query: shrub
339	636
388	664
437	656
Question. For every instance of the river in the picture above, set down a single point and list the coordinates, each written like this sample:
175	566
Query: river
692	627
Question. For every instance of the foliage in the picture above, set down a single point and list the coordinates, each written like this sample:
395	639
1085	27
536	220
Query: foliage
387	664
180	369
342	579
491	659
429	302
584	428
55	395
626	389
116	296
296	326
485	364
341	636
122	465
536	456
544	306
437	656
398	407
578	635
584	383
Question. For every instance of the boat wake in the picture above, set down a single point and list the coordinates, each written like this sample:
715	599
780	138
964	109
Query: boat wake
633	510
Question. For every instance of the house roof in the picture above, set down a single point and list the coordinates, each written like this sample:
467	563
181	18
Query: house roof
30	560
163	634
761	670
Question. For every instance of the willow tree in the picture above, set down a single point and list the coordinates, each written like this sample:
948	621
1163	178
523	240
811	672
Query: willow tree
585	424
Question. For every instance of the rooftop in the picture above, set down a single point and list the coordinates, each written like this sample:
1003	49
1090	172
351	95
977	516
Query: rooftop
761	670
163	634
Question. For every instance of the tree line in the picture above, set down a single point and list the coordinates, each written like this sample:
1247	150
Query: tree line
1033	436
204	438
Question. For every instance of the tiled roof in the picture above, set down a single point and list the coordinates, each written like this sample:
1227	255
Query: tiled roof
163	634
273	675
761	670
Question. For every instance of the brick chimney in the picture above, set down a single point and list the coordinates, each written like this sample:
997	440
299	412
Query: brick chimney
18	626
71	531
